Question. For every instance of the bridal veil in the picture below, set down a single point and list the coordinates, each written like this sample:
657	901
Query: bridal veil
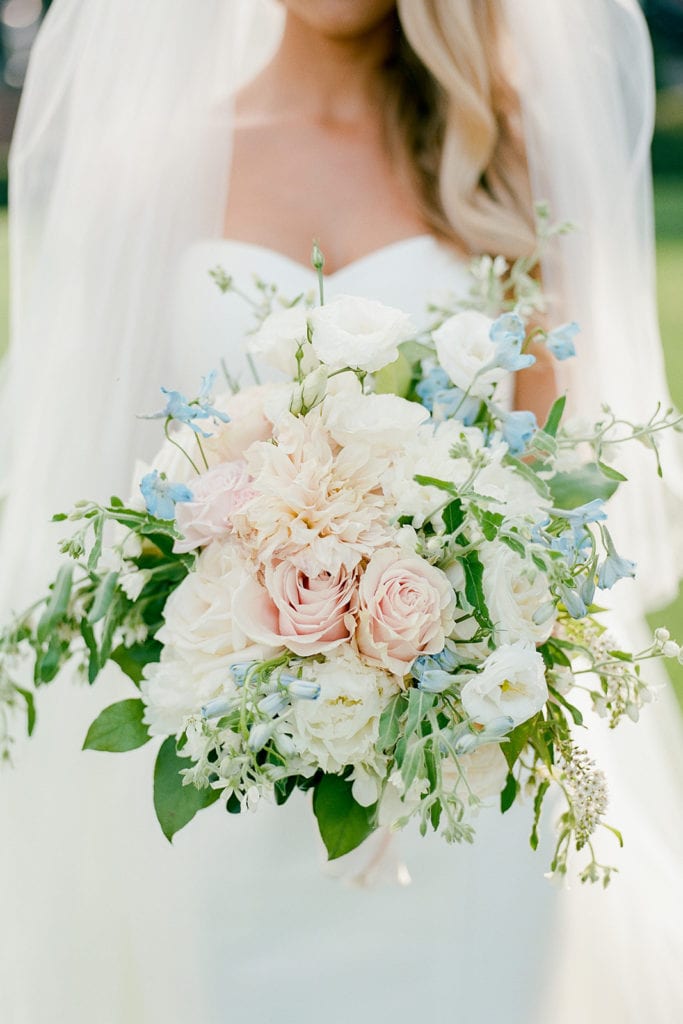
120	160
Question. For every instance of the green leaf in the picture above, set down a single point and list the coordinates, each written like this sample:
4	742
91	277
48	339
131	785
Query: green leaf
343	823
432	481
529	475
389	722
514	544
394	379
96	549
569	490
509	794
555	416
419	704
104	595
611	473
413	764
474	588
174	803
58	604
517	740
538	803
132	660
88	634
119	727
453	516
30	709
573	711
49	662
491	523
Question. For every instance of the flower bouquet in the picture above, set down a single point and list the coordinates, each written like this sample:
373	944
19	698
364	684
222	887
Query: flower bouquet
370	579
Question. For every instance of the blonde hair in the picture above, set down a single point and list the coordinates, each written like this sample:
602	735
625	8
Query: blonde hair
455	111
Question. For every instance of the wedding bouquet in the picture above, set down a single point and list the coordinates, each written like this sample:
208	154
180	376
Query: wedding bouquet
370	579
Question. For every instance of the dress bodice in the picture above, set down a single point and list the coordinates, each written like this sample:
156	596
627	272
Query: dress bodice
210	326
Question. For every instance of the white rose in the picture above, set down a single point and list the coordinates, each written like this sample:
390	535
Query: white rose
511	682
485	771
279	338
176	687
514	590
464	348
341	726
358	333
198	615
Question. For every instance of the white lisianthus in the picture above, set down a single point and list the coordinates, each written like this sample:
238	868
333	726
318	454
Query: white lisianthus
465	351
341	726
514	590
383	422
512	495
511	682
280	337
362	334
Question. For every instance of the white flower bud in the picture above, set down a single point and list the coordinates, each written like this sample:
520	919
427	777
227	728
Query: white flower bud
662	635
314	387
671	649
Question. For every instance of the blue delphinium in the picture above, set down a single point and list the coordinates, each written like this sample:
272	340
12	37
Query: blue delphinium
614	568
518	428
561	341
591	512
179	409
508	334
161	496
444	400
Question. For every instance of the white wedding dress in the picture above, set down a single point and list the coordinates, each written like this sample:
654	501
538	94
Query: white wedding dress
104	923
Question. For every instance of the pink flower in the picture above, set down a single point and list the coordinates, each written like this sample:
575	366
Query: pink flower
306	614
216	494
406	609
248	423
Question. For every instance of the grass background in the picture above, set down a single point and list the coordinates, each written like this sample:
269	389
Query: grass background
669	219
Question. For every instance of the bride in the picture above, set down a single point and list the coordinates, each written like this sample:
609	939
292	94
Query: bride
155	142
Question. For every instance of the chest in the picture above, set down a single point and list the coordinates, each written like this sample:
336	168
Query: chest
334	183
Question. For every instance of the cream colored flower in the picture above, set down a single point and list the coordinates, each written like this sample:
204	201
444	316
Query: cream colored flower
359	333
465	350
342	725
514	590
511	682
317	505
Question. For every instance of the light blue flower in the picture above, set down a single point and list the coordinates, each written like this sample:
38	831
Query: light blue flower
518	429
239	671
446	659
614	568
587	588
508	335
429	676
161	496
561	341
591	512
444	400
273	704
434	381
572	601
217	707
180	410
452	403
301	688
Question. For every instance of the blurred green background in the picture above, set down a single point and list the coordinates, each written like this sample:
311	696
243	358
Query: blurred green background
19	20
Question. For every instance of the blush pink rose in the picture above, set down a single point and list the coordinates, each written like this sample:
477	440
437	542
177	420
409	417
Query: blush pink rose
248	423
216	494
405	610
306	614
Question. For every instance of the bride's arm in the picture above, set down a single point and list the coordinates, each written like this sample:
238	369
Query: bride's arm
536	388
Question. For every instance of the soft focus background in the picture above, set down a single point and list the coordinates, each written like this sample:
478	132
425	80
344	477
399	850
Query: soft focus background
19	22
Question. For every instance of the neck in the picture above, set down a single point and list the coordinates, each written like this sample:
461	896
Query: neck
322	77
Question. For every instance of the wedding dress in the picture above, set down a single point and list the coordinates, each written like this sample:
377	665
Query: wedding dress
103	921
241	916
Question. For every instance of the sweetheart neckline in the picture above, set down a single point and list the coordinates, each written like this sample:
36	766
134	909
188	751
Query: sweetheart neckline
353	265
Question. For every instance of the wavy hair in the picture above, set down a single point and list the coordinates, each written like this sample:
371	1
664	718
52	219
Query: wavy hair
452	107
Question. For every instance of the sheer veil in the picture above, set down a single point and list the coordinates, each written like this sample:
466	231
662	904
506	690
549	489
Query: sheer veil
120	160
